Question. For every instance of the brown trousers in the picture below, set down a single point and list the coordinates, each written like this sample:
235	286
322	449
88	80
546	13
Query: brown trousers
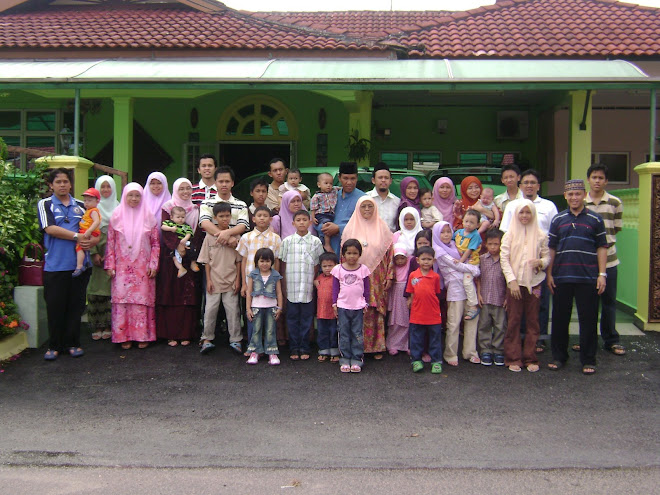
514	353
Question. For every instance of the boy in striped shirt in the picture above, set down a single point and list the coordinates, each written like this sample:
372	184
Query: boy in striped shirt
610	209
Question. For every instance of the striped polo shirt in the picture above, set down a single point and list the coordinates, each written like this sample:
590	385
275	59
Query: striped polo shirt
610	209
575	239
202	192
239	211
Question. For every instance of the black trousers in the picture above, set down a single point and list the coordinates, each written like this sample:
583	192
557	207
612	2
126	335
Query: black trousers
586	300
65	302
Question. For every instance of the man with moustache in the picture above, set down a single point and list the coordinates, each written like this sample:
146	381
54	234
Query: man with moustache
387	202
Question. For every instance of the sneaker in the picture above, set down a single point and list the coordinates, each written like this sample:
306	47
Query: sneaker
254	358
273	360
417	366
436	368
206	348
356	368
499	360
487	359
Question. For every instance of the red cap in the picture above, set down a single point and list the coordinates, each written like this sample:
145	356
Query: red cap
92	192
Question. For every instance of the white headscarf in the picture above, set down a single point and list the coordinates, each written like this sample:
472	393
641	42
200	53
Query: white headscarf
407	236
107	205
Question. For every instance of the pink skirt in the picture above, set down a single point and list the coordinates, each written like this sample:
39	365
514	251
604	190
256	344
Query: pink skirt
133	322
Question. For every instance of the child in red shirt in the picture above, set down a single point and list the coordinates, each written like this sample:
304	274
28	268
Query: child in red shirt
423	291
326	322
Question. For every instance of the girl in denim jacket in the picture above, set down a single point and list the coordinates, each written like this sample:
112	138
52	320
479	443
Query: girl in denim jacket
264	306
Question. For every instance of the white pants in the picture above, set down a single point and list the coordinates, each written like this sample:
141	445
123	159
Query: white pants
470	290
455	313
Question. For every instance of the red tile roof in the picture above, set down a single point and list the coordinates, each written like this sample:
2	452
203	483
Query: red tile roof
165	26
368	24
542	29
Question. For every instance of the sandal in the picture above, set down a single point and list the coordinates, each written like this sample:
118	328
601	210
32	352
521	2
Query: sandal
532	368
296	357
344	368
515	368
322	358
472	314
453	363
356	368
97	335
172	343
235	347
616	349
304	357
185	342
475	360
143	345
378	356
540	349
51	355
576	347
126	345
588	369
106	335
76	351
556	365
417	366
334	359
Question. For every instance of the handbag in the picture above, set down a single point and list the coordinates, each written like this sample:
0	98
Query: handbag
31	267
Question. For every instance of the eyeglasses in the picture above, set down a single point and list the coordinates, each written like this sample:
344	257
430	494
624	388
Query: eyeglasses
528	183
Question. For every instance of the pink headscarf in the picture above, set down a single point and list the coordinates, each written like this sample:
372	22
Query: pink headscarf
286	217
401	272
135	223
192	210
445	206
155	203
440	247
374	234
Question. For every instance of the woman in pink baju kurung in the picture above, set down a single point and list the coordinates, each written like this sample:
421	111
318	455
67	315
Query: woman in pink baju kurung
132	262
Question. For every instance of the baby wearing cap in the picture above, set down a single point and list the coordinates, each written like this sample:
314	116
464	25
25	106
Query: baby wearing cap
89	226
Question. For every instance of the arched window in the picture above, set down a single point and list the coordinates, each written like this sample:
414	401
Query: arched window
258	118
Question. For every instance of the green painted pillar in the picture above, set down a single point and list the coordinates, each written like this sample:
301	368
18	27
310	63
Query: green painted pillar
122	151
78	164
647	316
359	117
579	140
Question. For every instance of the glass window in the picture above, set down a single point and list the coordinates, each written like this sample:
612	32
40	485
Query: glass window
266	129
232	127
472	158
248	128
40	121
44	143
12	140
246	111
269	112
282	127
617	165
10	120
395	159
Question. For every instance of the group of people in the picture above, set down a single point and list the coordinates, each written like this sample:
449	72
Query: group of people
377	272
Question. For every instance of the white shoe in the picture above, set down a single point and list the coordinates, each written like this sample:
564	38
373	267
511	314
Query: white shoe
273	360
254	358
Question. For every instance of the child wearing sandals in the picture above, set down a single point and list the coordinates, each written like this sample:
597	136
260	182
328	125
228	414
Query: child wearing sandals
423	292
326	321
524	255
350	293
263	301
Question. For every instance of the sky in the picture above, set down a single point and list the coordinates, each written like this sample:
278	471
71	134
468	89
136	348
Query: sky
305	5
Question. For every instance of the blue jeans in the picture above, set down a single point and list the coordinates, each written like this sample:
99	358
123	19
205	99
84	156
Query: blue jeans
351	338
299	318
263	329
323	218
608	310
326	337
417	333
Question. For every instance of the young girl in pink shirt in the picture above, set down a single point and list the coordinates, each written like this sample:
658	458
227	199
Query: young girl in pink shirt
350	293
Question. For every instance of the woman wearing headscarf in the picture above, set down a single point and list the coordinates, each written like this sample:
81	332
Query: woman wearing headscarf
409	195
99	311
366	226
470	191
131	261
524	255
156	193
178	298
282	223
444	198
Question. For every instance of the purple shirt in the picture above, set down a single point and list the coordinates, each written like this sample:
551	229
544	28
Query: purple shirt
493	283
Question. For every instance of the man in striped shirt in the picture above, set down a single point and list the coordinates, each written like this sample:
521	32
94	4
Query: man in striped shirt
578	255
610	209
205	189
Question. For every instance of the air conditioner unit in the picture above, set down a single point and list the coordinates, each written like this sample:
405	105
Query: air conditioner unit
513	125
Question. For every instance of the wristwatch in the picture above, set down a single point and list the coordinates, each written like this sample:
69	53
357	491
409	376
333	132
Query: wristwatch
602	274
75	236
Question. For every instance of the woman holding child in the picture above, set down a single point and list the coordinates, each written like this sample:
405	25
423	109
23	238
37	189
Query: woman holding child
282	224
177	298
366	226
471	188
131	261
